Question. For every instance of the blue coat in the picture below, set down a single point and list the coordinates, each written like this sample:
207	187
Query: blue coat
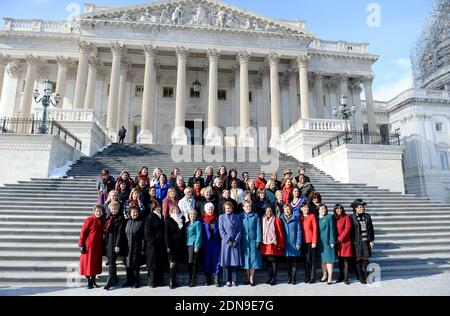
292	236
251	235
327	236
230	231
161	192
194	234
211	248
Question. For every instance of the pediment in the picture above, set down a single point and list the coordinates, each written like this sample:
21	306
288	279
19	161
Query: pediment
209	14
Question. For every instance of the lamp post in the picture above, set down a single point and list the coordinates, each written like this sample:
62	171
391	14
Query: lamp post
344	113
46	101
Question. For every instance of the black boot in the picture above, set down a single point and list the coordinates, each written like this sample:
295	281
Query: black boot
289	273
109	283
346	264
294	276
94	284
151	279
190	268
360	272
90	286
269	274
341	271
307	273
129	281
312	279
137	277
172	276
365	265
274	274
208	279
217	281
193	280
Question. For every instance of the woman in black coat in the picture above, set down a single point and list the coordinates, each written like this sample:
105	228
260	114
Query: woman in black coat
155	248
113	236
363	237
175	241
198	173
134	241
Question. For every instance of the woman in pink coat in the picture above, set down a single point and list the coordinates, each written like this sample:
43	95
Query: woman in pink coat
91	246
344	243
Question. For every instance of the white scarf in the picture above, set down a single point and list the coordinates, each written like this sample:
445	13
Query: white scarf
177	218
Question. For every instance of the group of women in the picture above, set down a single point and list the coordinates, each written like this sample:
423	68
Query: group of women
223	224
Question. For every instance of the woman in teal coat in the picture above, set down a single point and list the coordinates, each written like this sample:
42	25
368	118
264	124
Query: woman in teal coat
251	239
292	241
327	240
194	242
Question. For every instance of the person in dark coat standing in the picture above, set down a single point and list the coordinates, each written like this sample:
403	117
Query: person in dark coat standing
175	235
344	242
211	245
293	242
230	254
105	184
315	199
113	230
91	246
363	238
122	135
155	248
134	241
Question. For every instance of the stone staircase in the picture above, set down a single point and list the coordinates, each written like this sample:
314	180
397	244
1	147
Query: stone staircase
40	219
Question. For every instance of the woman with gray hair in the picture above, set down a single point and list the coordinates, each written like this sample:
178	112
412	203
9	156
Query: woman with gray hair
211	244
187	203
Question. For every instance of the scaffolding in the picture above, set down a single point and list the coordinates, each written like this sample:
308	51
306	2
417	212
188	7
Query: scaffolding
431	53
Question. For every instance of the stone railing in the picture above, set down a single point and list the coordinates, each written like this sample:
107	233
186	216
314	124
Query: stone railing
315	125
378	105
36	25
72	115
340	46
419	94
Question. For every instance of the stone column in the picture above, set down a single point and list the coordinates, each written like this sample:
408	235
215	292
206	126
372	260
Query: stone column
8	98
294	115
179	136
356	96
63	65
237	95
148	100
118	50
80	85
318	86
303	61
4	60
124	69
214	135
265	103
25	105
94	65
371	118
245	139
275	109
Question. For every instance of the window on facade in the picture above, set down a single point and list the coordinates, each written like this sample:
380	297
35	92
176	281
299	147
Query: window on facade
53	86
444	160
222	94
250	96
195	94
139	91
439	127
168	92
325	100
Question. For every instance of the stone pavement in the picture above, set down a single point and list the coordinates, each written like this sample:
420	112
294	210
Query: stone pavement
434	285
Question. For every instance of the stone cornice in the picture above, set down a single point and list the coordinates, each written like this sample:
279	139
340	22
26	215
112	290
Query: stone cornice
414	101
324	53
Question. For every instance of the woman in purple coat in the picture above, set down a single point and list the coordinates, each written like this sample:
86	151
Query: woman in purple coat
230	254
211	245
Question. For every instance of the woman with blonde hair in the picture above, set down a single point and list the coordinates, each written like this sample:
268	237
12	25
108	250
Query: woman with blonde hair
193	243
169	201
156	175
135	200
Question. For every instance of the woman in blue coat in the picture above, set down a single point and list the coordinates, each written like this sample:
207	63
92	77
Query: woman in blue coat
193	242
230	254
251	239
292	242
327	240
211	245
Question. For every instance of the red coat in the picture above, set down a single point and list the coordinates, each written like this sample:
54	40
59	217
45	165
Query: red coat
287	194
91	237
267	250
344	228
260	183
166	205
309	229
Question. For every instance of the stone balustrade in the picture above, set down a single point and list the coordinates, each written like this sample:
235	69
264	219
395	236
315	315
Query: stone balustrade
340	46
315	125
37	25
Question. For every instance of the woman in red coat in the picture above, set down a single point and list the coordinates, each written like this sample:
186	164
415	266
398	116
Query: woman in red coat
287	191
344	245
310	233
273	243
91	246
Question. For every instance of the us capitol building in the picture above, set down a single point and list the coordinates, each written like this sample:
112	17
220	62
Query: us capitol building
170	66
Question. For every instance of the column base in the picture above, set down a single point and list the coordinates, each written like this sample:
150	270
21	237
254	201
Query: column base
145	137
113	136
214	137
179	137
246	141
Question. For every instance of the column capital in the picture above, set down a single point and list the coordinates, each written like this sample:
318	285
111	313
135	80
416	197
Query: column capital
85	47
356	87
243	56
72	73
213	55
118	48
33	60
4	59
303	60
64	61
367	81
150	50
14	69
95	63
345	76
181	52
43	72
318	75
273	59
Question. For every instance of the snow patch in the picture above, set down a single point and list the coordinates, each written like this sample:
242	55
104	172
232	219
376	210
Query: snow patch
62	171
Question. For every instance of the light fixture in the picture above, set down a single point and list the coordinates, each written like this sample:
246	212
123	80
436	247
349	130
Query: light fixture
197	86
343	100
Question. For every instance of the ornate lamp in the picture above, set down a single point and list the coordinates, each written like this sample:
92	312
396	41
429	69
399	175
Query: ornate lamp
46	101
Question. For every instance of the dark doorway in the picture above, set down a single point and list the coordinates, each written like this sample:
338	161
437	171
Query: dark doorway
196	130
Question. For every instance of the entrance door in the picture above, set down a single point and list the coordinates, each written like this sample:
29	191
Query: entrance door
196	130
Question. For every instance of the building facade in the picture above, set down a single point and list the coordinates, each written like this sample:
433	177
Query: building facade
136	67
